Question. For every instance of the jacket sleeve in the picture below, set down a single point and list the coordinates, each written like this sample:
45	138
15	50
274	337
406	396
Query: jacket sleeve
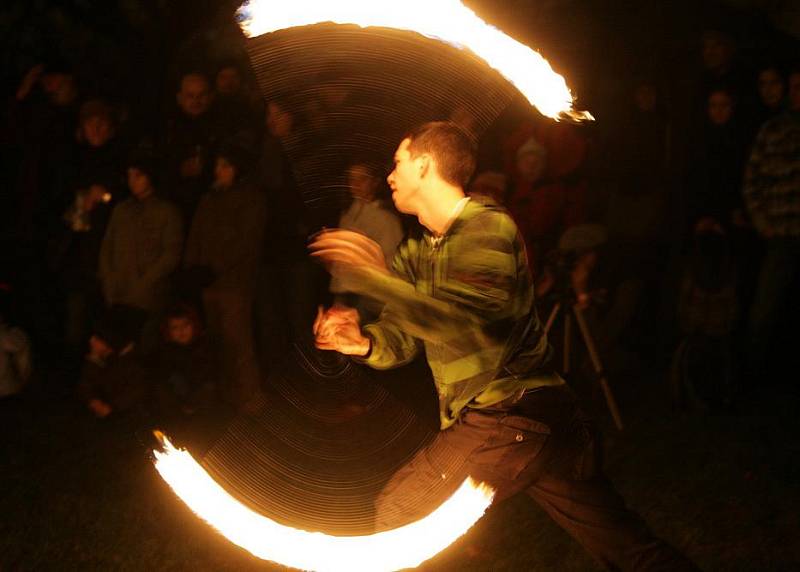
756	182
391	346
477	289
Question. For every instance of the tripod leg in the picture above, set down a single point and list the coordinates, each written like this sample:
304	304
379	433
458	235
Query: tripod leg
552	317
567	338
598	366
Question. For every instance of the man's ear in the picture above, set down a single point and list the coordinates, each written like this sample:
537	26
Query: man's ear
424	165
178	98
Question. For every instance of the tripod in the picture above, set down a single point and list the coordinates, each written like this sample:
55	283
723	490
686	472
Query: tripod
571	308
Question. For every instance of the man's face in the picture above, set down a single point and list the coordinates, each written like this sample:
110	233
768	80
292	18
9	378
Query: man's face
97	131
770	88
405	179
362	183
228	81
717	52
720	108
60	87
194	98
139	183
180	331
224	173
794	91
279	121
531	166
99	347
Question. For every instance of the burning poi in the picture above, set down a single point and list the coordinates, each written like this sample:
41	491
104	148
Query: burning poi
451	22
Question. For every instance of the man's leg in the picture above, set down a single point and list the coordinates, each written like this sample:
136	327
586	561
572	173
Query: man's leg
567	480
593	513
772	292
436	471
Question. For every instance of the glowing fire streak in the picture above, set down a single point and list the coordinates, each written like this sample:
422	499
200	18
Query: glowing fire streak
446	20
403	547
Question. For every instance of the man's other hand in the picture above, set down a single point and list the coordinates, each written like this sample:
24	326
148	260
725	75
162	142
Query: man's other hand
343	250
338	329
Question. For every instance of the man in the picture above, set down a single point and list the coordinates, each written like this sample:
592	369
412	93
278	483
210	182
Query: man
772	198
462	291
227	239
191	136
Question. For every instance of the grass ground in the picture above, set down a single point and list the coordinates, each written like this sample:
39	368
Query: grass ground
78	494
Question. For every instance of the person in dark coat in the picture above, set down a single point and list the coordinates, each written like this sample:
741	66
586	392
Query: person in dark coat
226	238
191	138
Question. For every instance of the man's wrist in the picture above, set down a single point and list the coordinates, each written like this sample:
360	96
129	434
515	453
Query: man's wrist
366	347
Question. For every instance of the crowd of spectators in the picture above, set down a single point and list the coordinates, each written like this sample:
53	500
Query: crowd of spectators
175	251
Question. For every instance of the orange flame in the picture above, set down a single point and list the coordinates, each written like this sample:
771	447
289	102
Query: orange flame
404	547
446	20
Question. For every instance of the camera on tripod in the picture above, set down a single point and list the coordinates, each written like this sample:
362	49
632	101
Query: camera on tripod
573	261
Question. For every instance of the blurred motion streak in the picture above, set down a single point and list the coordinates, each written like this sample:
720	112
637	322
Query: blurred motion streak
403	547
445	20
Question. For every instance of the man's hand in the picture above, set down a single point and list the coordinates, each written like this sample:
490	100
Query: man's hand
338	329
345	250
29	81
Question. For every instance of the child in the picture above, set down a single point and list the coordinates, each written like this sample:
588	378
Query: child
113	379
703	368
186	365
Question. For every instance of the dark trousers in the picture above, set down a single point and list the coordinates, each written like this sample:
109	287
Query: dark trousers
773	294
542	445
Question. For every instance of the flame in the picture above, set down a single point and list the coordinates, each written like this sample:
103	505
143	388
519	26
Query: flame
446	20
404	547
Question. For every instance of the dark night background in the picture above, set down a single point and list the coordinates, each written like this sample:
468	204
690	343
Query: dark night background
77	493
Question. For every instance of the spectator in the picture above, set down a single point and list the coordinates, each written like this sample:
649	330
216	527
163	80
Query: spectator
42	119
717	164
238	111
74	253
113	379
141	248
543	208
704	373
187	371
772	196
192	135
227	237
287	293
370	215
771	86
99	159
489	184
16	364
43	127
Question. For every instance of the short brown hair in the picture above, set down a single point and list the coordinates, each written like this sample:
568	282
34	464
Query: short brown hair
450	146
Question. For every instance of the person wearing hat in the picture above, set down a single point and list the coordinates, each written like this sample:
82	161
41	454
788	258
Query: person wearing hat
226	239
542	207
141	247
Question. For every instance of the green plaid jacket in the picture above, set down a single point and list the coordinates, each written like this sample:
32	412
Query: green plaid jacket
467	299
